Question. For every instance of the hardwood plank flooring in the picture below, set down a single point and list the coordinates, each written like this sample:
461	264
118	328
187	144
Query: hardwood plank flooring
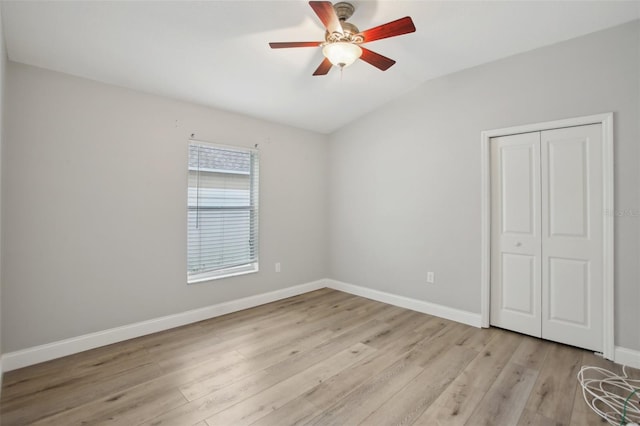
321	358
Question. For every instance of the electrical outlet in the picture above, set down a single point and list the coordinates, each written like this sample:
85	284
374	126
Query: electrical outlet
431	277
277	266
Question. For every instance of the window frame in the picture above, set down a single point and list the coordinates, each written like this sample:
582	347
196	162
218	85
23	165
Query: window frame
253	208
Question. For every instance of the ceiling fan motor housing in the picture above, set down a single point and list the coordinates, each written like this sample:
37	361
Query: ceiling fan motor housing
350	34
344	11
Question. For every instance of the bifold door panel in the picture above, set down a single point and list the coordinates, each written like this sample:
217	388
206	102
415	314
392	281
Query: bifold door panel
515	224
572	236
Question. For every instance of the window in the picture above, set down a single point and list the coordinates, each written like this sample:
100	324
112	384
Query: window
222	235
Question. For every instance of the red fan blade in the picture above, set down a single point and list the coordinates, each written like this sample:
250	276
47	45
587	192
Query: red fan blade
324	67
390	29
327	14
284	44
377	60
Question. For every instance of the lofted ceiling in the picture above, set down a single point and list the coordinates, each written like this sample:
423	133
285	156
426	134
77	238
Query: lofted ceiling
216	53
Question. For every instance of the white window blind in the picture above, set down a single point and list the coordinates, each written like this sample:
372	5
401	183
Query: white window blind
222	224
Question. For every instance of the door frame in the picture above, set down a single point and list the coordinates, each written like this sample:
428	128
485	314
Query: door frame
606	120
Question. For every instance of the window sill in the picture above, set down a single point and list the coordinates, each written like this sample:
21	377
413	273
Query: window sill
223	273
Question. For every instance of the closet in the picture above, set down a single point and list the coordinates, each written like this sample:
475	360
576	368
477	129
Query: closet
547	244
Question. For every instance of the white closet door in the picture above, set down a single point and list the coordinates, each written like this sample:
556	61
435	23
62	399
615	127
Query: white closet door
516	233
572	236
547	234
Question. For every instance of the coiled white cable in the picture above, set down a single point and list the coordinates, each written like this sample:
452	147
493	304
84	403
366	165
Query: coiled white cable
610	395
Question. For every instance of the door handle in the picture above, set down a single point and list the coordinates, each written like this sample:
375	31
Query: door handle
518	244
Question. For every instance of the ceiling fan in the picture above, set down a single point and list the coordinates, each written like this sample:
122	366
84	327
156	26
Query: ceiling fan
342	40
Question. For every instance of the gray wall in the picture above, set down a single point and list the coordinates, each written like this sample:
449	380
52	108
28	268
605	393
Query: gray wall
3	74
405	179
95	206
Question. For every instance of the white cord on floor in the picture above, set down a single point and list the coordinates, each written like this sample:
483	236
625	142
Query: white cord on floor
606	393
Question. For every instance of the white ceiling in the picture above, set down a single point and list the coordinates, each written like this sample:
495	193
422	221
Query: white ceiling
215	53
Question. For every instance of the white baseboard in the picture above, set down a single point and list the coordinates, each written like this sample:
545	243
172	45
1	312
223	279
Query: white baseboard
628	357
34	355
446	312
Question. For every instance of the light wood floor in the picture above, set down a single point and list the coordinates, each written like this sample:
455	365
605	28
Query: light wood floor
322	358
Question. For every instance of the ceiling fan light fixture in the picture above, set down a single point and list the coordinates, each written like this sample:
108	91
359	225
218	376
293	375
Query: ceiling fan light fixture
342	53
341	46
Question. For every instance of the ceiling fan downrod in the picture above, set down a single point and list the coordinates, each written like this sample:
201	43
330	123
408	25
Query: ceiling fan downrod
344	10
